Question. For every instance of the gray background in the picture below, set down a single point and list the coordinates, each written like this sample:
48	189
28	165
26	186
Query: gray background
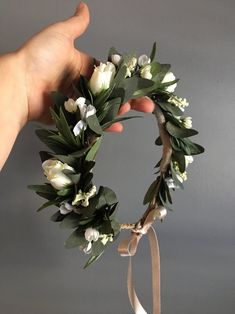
38	275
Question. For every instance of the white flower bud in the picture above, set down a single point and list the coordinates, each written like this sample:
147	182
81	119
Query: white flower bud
161	213
66	208
53	171
102	77
188	160
91	234
116	58
143	60
187	122
171	183
131	64
169	77
145	72
70	105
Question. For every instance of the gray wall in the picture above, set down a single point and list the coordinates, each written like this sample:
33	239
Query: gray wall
38	275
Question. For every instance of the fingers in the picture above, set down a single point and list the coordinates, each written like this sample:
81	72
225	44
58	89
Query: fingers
77	24
143	104
116	127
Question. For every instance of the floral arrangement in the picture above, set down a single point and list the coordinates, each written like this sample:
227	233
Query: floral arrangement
74	144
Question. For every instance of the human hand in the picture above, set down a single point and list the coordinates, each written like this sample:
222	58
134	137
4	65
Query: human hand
51	62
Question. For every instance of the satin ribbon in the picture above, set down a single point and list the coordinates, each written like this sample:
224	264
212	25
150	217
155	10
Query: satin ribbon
128	247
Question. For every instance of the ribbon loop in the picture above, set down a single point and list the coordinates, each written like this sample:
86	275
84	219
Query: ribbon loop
128	247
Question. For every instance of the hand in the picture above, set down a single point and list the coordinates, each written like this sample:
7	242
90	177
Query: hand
51	62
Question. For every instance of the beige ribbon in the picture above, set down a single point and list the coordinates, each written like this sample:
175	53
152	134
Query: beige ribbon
128	247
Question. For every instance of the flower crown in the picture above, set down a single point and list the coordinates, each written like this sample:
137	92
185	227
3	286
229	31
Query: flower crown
80	125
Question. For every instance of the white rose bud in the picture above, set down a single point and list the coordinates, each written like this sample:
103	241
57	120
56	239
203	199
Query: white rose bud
70	105
116	58
169	77
102	77
91	234
145	72
53	171
143	60
161	213
187	122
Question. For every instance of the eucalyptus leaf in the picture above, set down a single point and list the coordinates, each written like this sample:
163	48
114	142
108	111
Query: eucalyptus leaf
151	191
170	108
70	221
76	239
49	203
93	150
153	51
179	132
92	259
57	216
108	124
94	124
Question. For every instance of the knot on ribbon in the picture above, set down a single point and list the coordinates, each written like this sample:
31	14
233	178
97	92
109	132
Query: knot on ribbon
128	247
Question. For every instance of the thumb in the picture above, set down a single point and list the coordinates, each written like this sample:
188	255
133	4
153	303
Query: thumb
77	24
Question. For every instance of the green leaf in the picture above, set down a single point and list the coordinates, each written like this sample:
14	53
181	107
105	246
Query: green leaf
120	75
103	96
80	153
94	125
49	138
110	110
164	68
153	51
179	132
57	216
97	248
108	124
92	259
70	221
46	188
170	108
65	192
94	149
106	196
194	148
151	191
49	203
76	239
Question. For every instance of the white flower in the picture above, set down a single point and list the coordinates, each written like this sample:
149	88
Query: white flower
187	122
66	208
169	77
130	64
105	238
85	112
91	234
179	102
102	77
145	72
171	183
88	248
181	176
70	105
161	213
53	171
188	160
81	125
116	58
83	197
143	60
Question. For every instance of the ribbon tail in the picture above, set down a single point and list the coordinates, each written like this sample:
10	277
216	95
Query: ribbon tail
156	278
134	300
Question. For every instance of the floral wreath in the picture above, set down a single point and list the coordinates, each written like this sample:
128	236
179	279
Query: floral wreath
80	124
